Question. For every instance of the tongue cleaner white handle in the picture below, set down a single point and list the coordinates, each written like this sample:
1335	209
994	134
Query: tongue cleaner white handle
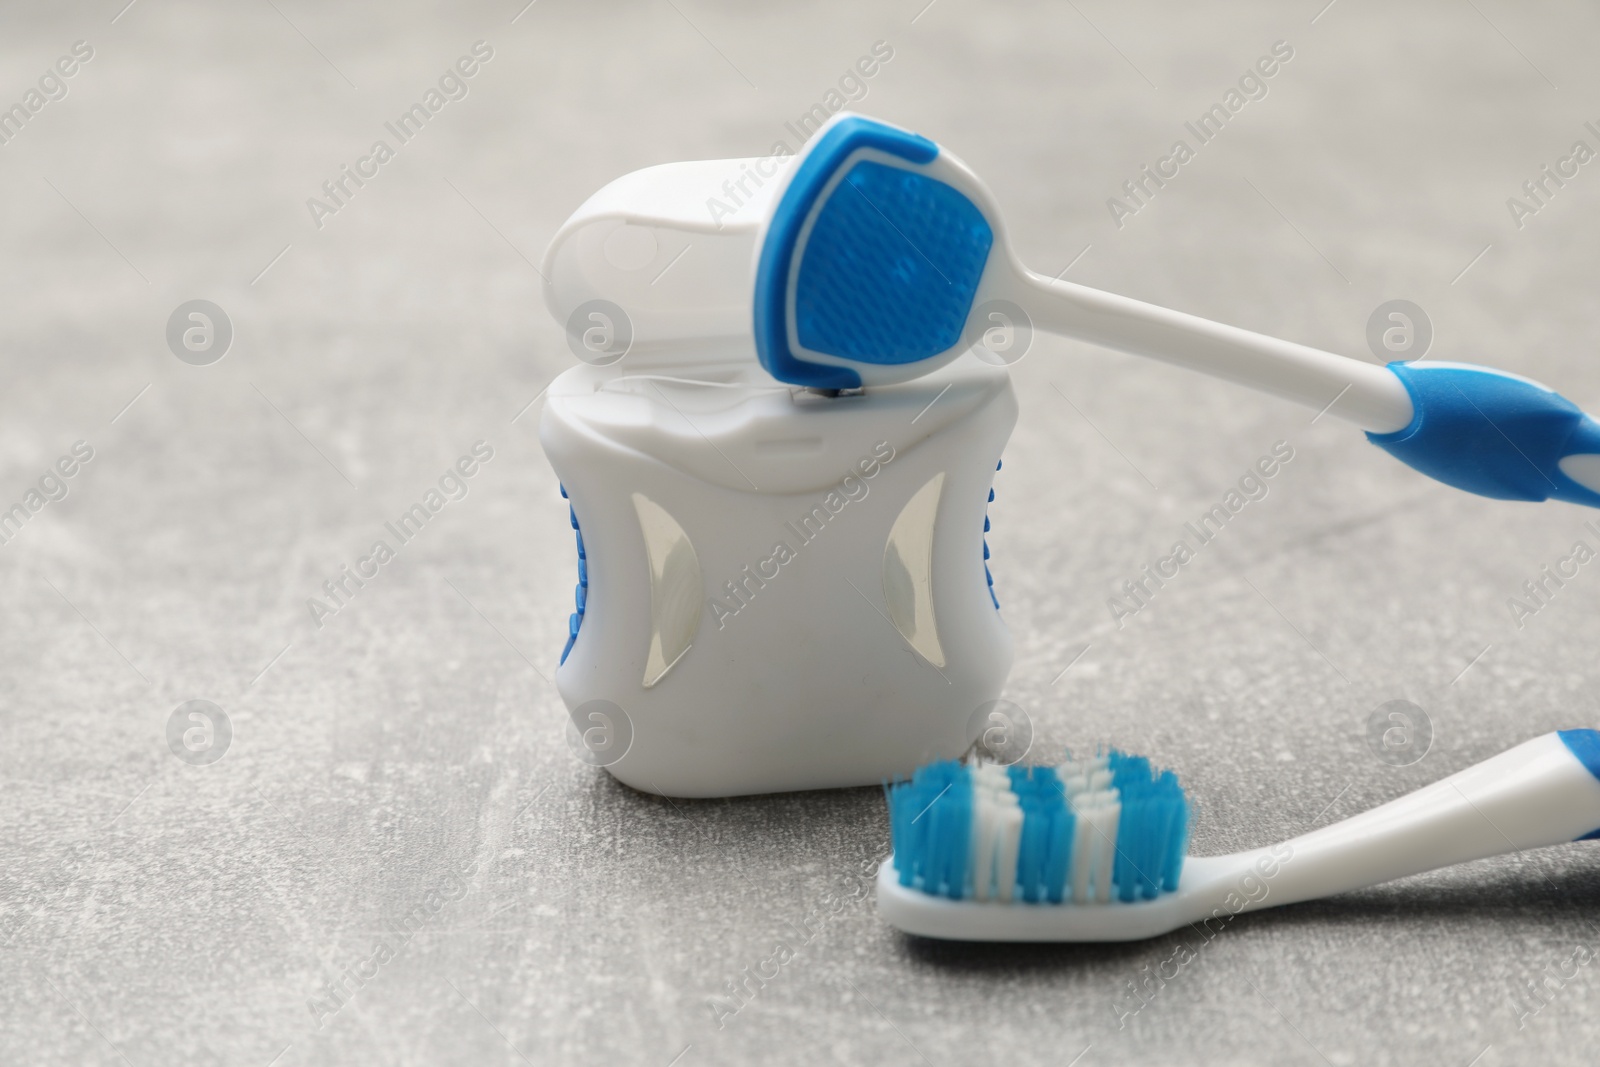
1363	393
882	253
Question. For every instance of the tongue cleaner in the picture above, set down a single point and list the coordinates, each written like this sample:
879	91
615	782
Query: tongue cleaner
884	257
878	257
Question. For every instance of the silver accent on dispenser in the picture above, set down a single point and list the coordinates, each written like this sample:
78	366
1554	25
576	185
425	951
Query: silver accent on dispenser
908	571
676	600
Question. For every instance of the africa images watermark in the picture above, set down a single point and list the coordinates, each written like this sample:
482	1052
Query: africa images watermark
1142	187
333	996
453	486
54	484
341	189
852	88
1138	592
741	590
1540	590
1251	888
1537	994
740	991
1539	190
199	732
52	86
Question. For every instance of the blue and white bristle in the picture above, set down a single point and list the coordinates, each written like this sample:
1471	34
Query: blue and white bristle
1085	831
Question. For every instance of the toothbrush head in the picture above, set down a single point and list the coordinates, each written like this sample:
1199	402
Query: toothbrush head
871	259
1086	832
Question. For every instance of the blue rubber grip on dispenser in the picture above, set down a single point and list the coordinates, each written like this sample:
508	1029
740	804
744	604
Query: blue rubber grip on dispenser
1491	433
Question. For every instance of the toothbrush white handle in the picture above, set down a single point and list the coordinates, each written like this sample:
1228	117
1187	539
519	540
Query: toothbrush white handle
1363	393
1543	792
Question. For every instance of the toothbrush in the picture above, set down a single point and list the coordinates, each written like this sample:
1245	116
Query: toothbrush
1094	850
883	257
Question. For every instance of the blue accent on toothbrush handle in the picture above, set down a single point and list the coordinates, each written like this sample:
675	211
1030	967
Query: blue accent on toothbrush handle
1491	433
1585	745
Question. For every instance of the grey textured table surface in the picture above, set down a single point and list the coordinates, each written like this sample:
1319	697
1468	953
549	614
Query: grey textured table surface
154	912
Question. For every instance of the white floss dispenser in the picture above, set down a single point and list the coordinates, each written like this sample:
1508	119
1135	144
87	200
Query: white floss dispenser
778	588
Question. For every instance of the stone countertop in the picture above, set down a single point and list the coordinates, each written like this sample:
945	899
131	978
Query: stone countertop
396	811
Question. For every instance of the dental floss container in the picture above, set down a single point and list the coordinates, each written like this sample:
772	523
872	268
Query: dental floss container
779	589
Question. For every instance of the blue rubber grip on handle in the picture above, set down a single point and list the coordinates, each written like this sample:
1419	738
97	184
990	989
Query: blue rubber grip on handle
1491	433
1585	746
